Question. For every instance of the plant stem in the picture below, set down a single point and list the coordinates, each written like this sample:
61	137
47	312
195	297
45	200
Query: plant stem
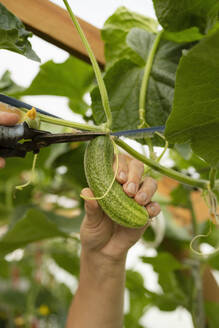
198	311
101	84
146	76
70	124
194	220
217	184
163	170
164	151
144	89
212	177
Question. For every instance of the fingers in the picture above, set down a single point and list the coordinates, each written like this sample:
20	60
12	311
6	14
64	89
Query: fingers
136	170
8	119
94	213
122	174
129	174
153	209
2	163
146	191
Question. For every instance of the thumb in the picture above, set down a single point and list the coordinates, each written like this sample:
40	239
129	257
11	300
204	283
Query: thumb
94	213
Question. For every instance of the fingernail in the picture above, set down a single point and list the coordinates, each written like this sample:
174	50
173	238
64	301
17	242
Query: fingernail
142	197
131	188
153	209
122	176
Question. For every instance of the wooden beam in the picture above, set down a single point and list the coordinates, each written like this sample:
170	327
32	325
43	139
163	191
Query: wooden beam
53	24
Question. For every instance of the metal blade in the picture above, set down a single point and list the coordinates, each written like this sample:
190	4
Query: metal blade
48	139
20	104
139	133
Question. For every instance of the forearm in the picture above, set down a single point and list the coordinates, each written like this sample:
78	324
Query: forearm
98	302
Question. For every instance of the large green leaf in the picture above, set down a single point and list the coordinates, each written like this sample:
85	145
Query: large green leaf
179	15
73	160
212	309
71	79
67	261
184	158
8	86
166	265
34	226
123	82
195	114
213	260
137	297
116	29
188	35
14	36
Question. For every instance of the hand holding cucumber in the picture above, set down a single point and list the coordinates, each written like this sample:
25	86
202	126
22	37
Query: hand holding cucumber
98	232
7	119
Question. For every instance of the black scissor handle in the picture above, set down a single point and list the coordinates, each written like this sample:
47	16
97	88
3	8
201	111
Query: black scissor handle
19	151
11	134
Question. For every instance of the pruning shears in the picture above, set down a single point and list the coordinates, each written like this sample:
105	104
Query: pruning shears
20	139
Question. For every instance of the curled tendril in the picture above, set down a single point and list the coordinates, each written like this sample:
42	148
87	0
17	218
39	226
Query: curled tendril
116	152
32	178
211	201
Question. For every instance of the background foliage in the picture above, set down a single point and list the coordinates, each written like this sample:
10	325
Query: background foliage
183	94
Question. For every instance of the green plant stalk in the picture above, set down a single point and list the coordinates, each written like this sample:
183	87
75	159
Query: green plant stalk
144	89
193	217
145	80
212	177
101	84
163	152
163	170
70	124
198	311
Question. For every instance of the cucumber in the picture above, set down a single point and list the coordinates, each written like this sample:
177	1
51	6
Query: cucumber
98	161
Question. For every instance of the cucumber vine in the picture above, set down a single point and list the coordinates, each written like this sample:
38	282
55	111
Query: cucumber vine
100	81
142	111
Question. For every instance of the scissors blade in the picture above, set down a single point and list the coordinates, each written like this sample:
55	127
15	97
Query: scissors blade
20	104
139	133
47	139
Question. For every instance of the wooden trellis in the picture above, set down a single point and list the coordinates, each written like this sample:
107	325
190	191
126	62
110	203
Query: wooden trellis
53	24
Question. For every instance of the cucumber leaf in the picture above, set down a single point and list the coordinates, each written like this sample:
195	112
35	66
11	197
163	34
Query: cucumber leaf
116	29
138	299
14	36
71	79
166	266
212	309
8	86
195	114
188	35
123	82
35	225
179	15
66	260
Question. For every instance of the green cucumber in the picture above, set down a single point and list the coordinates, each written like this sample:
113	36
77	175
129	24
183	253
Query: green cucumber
98	161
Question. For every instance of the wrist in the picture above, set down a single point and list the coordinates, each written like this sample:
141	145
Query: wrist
95	263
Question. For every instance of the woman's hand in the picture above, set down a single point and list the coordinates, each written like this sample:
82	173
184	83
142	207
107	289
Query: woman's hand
101	235
7	119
